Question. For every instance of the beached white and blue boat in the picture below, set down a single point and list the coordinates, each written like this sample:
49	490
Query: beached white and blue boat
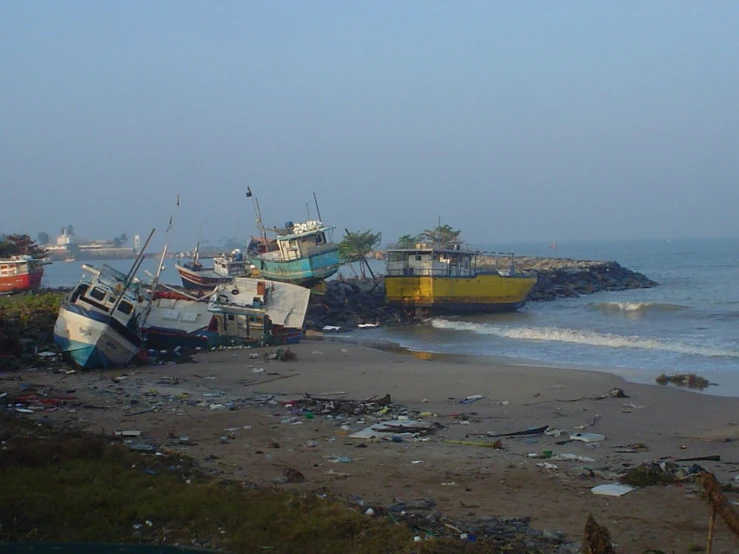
100	323
301	254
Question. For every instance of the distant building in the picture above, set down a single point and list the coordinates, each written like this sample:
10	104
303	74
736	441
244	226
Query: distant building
64	239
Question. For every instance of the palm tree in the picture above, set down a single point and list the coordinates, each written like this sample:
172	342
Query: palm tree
442	236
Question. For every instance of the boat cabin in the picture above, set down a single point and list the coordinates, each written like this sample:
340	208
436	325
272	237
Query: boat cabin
431	262
303	240
102	291
233	265
11	268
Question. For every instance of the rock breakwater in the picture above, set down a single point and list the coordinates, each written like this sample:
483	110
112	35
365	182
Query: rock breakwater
349	303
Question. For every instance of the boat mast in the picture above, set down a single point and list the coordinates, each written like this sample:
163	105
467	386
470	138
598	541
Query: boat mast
318	210
260	225
164	250
132	272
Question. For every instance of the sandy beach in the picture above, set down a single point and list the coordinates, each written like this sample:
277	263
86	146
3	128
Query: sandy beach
228	410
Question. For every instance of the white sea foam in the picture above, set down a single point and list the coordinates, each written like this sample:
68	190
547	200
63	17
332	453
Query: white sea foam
591	338
636	307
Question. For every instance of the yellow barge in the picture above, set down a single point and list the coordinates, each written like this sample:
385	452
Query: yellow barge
430	281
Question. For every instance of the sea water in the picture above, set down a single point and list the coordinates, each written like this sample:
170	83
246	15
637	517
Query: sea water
689	323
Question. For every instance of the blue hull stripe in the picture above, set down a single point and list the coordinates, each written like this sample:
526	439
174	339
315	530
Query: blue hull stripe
125	332
303	271
86	356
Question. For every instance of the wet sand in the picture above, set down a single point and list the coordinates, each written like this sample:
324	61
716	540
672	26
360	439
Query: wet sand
252	443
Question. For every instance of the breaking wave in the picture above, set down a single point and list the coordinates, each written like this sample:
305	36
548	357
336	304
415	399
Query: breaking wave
590	338
633	307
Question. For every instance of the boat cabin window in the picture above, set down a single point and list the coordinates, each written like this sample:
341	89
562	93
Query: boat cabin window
98	294
230	317
419	258
320	239
125	307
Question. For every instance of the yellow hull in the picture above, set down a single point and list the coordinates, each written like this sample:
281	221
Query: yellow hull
481	293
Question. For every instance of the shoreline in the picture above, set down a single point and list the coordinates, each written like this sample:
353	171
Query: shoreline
722	384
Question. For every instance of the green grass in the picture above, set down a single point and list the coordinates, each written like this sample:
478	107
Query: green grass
71	487
26	326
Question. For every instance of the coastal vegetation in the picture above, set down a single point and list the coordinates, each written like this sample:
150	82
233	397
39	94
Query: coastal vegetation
357	245
67	486
19	245
26	327
441	236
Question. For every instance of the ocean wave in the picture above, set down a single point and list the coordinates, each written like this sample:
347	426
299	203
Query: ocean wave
589	338
632	307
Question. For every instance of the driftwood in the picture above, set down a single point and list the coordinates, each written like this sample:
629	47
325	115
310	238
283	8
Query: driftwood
596	539
719	506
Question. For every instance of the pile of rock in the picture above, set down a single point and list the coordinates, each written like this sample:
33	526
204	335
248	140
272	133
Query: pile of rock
565	278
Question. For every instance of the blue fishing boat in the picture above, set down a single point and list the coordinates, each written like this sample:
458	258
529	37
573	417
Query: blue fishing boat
303	256
302	253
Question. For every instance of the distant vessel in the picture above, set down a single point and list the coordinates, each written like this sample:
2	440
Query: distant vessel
553	245
20	274
427	280
99	324
195	275
302	253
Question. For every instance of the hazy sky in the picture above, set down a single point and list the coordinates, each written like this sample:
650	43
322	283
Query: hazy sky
514	121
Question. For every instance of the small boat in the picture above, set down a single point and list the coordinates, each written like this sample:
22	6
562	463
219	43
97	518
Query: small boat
195	275
301	254
100	322
430	280
21	274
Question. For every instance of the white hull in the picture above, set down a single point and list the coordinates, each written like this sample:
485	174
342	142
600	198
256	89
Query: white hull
91	343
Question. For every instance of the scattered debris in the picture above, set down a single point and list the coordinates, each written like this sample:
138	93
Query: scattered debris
596	538
613	393
689	380
402	429
659	473
531	431
471	399
612	489
497	445
587	437
285	355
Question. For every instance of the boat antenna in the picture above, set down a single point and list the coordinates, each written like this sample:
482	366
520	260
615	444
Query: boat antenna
132	272
307	207
164	250
196	254
260	225
318	210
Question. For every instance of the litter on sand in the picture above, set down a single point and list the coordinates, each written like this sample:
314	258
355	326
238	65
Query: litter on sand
387	429
612	490
587	437
525	433
471	399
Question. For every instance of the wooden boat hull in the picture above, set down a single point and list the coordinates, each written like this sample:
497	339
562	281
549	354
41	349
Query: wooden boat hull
305	272
93	340
482	293
202	279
